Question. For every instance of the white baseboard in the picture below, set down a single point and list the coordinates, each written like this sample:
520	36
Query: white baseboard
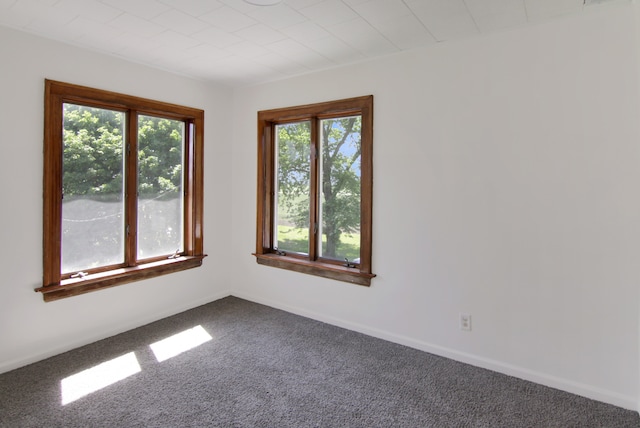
610	397
6	366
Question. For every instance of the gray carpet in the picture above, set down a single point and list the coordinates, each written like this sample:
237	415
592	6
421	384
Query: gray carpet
269	368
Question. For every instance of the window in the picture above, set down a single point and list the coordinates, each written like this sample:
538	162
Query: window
315	189
123	180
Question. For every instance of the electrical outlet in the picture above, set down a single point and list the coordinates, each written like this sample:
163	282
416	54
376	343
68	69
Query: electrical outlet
465	322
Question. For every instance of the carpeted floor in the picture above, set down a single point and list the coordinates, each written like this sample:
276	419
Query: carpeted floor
268	368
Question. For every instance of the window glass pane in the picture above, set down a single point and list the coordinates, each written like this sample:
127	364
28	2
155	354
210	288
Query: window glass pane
160	186
292	187
339	184
93	188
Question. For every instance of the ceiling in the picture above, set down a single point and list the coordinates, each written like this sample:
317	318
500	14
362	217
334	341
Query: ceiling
235	43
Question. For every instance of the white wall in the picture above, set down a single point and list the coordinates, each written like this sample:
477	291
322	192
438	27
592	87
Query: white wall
29	328
506	174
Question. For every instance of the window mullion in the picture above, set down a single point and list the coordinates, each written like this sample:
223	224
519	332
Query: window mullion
314	192
131	193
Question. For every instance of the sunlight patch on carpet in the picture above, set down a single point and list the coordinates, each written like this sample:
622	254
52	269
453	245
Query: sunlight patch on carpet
87	381
179	343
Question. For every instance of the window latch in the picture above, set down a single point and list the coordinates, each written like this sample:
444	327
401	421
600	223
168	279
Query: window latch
348	263
79	275
279	252
175	255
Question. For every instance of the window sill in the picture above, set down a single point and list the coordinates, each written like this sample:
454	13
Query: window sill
75	286
325	270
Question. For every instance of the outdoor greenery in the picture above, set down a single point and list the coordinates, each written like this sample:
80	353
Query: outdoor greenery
93	151
94	147
295	239
93	186
339	182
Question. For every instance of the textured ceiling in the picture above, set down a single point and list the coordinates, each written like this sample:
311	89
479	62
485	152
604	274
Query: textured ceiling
234	43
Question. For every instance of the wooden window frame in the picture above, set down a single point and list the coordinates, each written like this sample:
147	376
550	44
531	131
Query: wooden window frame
55	284
266	254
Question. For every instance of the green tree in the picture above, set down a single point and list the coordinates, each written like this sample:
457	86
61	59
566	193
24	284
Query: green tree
340	182
93	171
94	147
340	147
294	171
159	155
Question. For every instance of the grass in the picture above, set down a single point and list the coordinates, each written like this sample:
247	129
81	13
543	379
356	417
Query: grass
295	239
